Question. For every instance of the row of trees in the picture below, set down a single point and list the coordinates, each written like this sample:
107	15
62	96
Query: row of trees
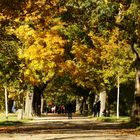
68	46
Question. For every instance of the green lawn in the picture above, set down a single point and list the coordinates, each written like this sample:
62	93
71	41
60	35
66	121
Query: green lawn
12	119
112	119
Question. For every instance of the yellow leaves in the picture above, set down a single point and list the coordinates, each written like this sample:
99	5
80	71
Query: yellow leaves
51	64
2	17
53	40
49	75
71	68
25	34
99	63
42	57
30	76
43	50
70	64
40	2
98	41
27	72
133	9
90	59
32	52
54	46
83	53
58	24
115	35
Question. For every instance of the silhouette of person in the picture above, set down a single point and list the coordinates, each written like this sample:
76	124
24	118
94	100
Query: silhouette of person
94	110
69	110
98	105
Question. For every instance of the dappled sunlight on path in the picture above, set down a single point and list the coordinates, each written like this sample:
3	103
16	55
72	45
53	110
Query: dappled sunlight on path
62	128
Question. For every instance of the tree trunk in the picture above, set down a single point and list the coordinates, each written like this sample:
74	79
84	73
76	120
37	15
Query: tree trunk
102	98
85	106
38	92
136	108
37	101
118	95
28	105
6	103
78	104
91	99
42	104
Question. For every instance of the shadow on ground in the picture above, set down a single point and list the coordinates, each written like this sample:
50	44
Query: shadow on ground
67	126
10	123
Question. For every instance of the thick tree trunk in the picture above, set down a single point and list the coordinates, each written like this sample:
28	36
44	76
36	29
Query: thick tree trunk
78	105
37	101
42	104
91	100
28	105
136	108
102	98
83	92
38	92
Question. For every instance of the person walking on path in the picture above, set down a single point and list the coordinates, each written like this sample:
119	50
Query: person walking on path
69	110
96	109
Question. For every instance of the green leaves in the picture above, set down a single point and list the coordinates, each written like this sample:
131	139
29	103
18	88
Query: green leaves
89	40
8	58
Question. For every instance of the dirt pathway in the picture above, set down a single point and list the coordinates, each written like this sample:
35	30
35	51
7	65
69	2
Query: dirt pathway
60	128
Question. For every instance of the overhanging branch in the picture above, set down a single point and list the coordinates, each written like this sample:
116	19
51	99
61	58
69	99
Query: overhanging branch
135	52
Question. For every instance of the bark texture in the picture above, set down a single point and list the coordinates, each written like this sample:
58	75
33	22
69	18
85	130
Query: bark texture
102	98
28	105
136	111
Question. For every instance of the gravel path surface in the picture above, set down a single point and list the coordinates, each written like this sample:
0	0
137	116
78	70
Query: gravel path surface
60	128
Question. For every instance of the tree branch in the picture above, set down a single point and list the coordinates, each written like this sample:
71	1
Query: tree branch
135	52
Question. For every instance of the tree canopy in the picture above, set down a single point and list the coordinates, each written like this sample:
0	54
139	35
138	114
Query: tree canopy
90	42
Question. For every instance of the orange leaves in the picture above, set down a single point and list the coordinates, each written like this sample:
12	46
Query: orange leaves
55	43
71	67
81	68
83	53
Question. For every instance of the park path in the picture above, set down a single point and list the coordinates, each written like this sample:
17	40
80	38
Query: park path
61	128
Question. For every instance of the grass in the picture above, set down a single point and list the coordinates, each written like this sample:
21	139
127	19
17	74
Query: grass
138	128
112	119
9	123
124	120
11	120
